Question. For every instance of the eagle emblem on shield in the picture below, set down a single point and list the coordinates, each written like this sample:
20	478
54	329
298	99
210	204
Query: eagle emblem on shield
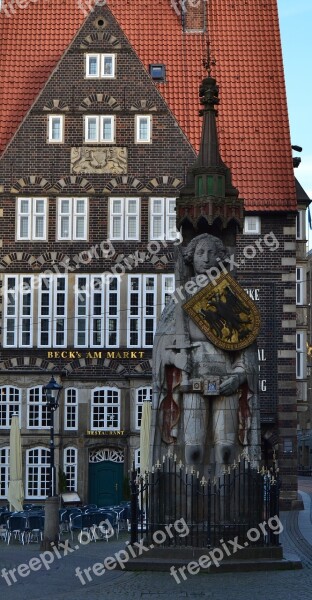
225	314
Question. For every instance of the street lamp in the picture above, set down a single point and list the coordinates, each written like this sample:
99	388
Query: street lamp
51	392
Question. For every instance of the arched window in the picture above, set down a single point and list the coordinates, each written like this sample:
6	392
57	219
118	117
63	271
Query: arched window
10	402
4	471
37	472
37	410
71	409
71	468
142	394
105	409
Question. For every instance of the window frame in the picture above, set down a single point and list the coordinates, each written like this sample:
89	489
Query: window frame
137	127
138	312
85	305
4	471
300	286
164	292
124	216
18	317
43	412
70	468
300	347
32	214
300	225
99	119
141	395
165	215
43	468
247	223
51	118
73	217
105	405
100	56
160	78
89	56
71	409
10	406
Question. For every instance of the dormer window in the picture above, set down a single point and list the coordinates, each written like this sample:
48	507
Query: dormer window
100	66
157	72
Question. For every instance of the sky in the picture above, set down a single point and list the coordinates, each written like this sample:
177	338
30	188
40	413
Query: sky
296	33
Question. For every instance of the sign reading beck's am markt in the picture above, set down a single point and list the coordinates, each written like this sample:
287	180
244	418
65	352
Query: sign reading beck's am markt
100	354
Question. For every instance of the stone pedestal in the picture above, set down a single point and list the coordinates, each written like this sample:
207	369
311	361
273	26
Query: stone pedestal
51	523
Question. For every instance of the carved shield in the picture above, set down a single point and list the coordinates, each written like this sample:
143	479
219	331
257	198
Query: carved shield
225	314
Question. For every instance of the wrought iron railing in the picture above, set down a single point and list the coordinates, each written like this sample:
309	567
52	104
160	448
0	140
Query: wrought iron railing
240	504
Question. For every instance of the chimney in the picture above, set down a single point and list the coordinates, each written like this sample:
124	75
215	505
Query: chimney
193	16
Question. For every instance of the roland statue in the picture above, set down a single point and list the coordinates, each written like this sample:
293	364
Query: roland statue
205	388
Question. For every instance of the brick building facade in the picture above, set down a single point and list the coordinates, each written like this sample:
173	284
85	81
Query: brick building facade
88	184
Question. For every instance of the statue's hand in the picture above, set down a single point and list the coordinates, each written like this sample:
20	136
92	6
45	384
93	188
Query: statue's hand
230	384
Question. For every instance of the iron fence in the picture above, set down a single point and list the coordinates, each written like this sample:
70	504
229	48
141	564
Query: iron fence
242	499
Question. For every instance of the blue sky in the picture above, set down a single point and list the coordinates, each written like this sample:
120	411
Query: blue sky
296	32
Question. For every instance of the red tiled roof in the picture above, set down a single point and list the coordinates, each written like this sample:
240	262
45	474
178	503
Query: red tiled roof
245	43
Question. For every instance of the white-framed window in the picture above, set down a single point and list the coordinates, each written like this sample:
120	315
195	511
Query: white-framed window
105	409
252	225
99	128
167	288
31	219
163	219
56	129
52	311
300	225
143	394
141	311
97	311
300	286
143	129
72	219
300	347
18	311
37	410
100	65
4	471
71	468
137	459
37	472
10	402
71	409
124	218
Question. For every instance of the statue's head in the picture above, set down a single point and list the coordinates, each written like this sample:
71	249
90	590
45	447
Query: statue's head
203	252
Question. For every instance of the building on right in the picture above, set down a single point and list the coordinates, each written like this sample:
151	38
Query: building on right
304	361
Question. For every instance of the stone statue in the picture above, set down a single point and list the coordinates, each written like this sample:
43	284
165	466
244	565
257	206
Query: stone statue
204	398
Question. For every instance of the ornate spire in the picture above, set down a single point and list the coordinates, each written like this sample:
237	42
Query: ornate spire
209	201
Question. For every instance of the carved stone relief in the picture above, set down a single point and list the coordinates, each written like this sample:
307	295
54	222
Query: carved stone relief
99	160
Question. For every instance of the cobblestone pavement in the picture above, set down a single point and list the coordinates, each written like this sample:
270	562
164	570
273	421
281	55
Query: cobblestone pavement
60	582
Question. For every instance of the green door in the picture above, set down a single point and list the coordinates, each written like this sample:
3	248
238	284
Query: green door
105	483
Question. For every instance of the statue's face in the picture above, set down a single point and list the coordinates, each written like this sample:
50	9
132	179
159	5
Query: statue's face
205	256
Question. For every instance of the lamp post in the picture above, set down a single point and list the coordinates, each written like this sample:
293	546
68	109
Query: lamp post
51	393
